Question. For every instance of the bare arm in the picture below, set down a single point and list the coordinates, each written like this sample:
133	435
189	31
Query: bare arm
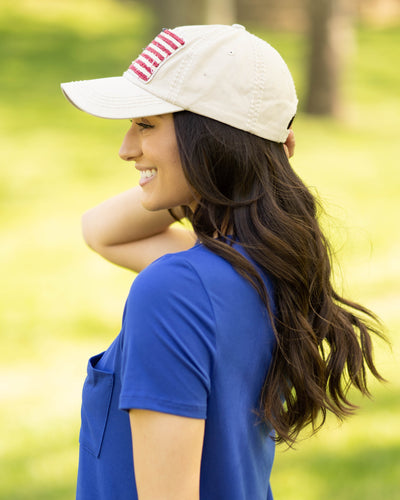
167	453
128	235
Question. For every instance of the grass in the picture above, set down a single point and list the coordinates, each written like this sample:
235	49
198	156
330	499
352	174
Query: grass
60	303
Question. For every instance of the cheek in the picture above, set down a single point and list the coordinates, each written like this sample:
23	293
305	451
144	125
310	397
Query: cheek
175	170
182	181
180	187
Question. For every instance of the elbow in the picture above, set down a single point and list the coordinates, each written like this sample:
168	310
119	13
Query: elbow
89	232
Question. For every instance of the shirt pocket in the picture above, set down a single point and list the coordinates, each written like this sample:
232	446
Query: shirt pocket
96	401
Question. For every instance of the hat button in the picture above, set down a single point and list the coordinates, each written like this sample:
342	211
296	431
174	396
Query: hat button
238	26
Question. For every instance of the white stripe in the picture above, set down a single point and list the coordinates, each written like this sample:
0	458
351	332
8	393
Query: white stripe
150	54
150	65
144	61
141	69
167	47
173	40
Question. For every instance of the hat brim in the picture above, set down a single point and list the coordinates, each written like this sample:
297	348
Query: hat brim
115	98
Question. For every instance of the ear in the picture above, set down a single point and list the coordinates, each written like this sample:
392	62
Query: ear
290	144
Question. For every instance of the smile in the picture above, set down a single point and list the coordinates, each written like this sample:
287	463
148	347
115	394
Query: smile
147	175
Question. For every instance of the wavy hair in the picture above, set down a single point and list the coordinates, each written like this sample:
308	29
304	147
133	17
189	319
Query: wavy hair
248	190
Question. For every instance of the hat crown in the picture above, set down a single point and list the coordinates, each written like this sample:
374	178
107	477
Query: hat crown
225	73
222	72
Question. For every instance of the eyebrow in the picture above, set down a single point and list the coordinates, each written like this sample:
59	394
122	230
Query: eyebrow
144	117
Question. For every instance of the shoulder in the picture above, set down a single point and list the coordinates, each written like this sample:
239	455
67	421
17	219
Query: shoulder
174	286
195	275
177	271
168	299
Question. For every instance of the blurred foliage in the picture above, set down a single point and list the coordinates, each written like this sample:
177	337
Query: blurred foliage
60	303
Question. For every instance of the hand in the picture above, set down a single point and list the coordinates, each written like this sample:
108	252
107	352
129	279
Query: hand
290	144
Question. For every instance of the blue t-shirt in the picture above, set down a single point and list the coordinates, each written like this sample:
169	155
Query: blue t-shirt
196	341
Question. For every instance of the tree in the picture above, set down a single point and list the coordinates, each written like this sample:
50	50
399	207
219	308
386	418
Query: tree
220	11
329	36
171	13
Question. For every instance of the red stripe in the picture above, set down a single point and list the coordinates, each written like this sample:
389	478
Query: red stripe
175	37
150	59
139	73
143	65
161	47
160	56
168	41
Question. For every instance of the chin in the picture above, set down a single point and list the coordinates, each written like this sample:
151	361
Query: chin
152	202
151	207
154	206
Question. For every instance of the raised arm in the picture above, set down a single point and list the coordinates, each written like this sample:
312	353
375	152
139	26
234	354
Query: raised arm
126	234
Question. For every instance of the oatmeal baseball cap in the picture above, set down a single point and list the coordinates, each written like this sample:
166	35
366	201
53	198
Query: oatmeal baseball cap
222	72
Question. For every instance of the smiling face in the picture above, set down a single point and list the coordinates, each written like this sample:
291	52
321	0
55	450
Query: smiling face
151	144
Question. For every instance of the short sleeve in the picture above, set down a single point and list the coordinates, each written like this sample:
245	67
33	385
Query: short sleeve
168	341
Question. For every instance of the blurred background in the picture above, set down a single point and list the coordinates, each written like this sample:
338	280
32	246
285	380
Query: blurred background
60	303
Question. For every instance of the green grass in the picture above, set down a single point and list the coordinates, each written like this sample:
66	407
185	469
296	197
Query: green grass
60	303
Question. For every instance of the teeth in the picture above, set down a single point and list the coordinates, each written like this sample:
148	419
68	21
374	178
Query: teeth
144	174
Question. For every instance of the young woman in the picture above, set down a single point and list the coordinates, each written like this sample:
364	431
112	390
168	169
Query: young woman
233	337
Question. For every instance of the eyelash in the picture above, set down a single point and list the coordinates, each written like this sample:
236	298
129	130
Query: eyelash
144	125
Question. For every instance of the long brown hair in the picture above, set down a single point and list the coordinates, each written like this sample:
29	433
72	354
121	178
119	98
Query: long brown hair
248	189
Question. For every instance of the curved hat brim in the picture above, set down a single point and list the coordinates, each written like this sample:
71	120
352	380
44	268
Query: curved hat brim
115	98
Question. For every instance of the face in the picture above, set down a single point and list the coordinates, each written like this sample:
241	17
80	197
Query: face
151	144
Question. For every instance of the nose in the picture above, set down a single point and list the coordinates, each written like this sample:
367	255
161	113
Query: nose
130	148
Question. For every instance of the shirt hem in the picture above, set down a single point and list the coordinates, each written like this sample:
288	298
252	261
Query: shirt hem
145	403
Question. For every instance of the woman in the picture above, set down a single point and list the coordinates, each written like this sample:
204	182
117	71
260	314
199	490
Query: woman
233	337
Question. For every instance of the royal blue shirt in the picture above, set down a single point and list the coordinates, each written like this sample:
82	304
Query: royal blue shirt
196	341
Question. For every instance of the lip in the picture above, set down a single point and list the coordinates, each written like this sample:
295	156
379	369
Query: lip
145	180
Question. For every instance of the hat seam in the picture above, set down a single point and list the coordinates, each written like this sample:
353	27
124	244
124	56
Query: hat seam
180	76
252	115
187	64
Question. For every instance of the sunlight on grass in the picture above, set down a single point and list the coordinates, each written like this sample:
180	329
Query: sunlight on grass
62	303
87	17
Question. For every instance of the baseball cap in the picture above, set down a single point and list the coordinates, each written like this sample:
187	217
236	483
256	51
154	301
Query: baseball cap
222	72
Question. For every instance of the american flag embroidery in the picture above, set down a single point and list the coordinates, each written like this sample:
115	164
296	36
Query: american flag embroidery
155	54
